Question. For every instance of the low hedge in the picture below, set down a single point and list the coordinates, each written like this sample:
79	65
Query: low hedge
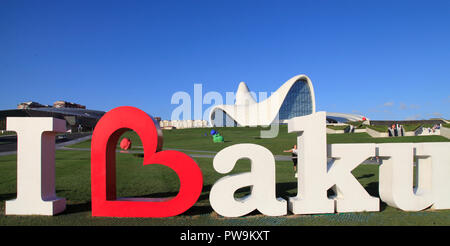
378	128
337	127
355	123
411	128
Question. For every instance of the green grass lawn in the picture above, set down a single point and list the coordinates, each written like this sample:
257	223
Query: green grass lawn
411	128
195	139
136	180
6	133
338	127
378	128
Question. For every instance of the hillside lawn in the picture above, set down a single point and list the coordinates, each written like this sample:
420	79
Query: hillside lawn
136	180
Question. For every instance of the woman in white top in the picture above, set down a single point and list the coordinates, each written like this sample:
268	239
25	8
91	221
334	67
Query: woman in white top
294	152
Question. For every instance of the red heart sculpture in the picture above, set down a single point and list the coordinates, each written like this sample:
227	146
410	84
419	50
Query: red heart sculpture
103	167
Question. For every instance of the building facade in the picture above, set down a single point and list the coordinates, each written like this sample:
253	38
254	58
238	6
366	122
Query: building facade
77	117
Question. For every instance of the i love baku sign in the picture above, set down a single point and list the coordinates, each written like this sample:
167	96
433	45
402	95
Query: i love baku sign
36	172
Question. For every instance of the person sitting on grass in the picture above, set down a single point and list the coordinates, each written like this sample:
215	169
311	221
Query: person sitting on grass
294	152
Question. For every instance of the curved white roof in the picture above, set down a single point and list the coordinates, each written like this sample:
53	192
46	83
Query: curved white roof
243	96
247	112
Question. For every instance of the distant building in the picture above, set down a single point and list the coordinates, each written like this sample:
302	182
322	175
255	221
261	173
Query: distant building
158	120
180	124
26	105
64	104
77	117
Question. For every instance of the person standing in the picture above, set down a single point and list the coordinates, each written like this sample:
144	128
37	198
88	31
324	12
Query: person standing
294	152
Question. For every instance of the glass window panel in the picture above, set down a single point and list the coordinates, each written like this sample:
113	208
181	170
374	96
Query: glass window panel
298	101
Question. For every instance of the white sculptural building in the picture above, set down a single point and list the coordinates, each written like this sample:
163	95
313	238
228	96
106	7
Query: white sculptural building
294	98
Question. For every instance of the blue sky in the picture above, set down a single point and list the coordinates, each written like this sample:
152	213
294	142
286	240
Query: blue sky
381	59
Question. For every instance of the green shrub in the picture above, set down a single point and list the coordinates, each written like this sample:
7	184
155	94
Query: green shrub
378	128
337	127
355	123
446	125
411	128
428	125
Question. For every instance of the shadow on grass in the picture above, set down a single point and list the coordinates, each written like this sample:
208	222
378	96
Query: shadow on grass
6	197
372	189
284	188
202	206
70	208
77	208
198	210
366	176
139	155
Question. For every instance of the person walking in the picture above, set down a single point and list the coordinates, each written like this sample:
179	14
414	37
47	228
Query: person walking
294	152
